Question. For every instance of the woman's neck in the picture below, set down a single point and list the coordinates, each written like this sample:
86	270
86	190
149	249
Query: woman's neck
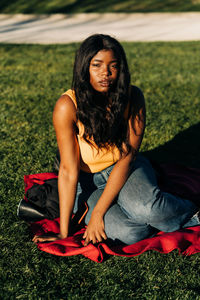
102	99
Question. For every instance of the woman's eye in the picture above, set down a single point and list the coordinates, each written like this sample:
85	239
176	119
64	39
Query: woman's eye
96	65
114	66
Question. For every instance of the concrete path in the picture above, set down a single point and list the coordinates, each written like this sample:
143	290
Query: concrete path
59	28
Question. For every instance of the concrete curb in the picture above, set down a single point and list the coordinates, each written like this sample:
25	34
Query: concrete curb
67	28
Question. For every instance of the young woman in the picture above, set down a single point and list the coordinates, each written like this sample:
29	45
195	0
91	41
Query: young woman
99	127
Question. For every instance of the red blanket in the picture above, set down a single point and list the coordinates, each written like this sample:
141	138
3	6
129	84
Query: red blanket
184	182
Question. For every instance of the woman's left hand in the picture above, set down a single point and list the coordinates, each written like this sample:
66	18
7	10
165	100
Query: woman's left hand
95	229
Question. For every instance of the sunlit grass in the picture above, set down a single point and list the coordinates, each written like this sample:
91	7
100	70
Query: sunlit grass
32	77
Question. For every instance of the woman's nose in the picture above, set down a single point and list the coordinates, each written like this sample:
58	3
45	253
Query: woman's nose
106	70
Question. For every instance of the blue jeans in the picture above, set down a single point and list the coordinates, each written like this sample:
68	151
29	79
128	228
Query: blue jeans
141	208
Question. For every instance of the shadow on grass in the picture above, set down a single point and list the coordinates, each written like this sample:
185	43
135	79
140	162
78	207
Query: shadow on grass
194	289
184	148
74	6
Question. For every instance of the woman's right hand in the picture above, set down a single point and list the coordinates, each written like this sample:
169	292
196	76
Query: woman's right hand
48	237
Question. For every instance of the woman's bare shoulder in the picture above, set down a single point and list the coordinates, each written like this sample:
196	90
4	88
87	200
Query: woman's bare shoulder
65	108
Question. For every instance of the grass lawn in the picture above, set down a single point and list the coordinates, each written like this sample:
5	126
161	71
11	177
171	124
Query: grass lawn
32	77
77	6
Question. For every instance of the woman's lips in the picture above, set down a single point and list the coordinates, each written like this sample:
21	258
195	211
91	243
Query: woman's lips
105	83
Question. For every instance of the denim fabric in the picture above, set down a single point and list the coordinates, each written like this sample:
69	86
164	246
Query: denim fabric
141	208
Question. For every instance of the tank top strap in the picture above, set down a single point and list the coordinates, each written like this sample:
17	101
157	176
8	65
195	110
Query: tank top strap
80	126
71	94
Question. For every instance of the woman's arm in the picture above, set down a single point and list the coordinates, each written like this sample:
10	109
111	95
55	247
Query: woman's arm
120	172
64	119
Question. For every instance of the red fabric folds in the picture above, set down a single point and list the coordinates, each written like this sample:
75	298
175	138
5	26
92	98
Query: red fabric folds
40	178
183	181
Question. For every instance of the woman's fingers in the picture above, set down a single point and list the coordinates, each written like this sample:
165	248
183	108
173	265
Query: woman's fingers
94	237
87	241
44	238
85	234
101	235
104	236
98	237
89	238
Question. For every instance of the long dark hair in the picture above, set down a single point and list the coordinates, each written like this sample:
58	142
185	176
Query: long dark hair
106	127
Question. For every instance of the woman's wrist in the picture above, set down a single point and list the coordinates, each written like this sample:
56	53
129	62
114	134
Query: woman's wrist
98	211
62	236
63	233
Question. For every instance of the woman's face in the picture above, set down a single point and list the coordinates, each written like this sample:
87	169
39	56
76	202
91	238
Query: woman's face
103	71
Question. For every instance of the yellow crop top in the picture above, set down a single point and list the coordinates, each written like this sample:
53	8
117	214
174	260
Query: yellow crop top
93	160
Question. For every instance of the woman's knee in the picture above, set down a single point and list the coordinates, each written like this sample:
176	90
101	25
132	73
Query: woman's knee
130	233
140	188
119	227
137	202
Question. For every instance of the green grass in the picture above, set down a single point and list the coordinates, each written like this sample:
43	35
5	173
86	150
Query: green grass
78	6
32	77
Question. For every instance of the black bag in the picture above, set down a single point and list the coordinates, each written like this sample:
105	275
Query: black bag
42	202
